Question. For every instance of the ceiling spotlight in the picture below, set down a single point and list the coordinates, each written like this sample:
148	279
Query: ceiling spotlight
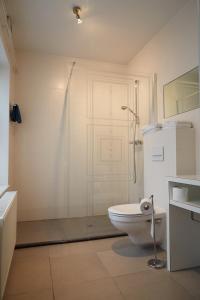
76	11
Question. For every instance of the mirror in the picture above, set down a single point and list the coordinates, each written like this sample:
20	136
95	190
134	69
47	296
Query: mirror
182	94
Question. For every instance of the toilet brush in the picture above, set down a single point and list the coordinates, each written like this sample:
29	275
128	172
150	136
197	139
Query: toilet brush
155	262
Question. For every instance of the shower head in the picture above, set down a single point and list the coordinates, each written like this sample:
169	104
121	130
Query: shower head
124	107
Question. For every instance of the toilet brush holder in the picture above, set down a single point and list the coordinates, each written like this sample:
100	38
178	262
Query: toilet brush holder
155	262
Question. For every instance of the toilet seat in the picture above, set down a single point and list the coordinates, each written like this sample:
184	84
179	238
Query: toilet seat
126	209
131	213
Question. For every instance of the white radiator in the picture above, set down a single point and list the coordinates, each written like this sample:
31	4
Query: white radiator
8	222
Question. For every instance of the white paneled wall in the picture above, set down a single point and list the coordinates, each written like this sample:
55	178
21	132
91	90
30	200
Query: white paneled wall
108	141
73	157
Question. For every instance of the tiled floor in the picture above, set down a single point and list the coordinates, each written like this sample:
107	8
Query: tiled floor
109	269
64	229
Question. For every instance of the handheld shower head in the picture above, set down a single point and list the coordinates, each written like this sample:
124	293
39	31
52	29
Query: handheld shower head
124	107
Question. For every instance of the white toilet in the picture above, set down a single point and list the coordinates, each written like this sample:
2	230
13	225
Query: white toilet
129	219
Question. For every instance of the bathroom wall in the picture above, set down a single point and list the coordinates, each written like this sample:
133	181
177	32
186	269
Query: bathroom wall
7	74
51	145
172	52
12	126
41	164
4	122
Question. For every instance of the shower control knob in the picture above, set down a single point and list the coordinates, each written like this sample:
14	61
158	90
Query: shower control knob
138	142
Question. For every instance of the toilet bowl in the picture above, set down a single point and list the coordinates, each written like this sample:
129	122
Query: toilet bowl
129	219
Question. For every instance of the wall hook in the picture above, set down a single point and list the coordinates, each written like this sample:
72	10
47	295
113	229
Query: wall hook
15	115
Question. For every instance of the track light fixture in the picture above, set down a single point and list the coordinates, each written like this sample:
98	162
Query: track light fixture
76	11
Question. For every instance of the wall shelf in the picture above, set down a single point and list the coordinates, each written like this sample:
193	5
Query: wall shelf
183	232
193	205
193	180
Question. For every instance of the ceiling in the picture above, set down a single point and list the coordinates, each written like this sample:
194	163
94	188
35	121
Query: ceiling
112	30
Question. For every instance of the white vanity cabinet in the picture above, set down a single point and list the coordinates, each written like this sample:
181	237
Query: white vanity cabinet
183	225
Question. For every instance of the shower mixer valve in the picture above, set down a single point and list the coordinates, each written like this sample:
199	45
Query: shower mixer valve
136	142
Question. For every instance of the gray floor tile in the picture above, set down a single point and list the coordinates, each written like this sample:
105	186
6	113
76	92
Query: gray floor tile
140	280
103	269
76	268
164	290
102	289
125	258
29	274
84	247
41	295
189	279
33	251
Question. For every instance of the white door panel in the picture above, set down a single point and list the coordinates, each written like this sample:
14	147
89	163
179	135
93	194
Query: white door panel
109	153
101	156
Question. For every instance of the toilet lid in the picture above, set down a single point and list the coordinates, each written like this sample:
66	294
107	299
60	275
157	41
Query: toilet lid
126	209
